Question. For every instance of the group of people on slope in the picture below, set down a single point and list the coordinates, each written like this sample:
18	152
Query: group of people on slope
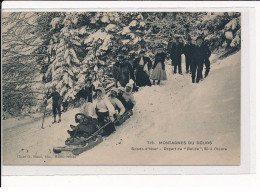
196	55
120	98
105	108
140	72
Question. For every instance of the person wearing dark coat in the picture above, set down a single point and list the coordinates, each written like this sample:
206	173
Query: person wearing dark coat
198	58
207	53
142	66
122	72
175	54
159	72
85	128
56	103
89	89
188	50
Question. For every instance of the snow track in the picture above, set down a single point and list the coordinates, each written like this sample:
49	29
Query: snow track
175	111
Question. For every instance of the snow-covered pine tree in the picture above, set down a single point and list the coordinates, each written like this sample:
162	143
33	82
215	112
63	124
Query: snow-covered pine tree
65	49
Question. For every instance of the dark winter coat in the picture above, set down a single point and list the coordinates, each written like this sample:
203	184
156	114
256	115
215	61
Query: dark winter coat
147	61
159	57
200	53
141	77
176	52
123	72
86	93
89	89
188	50
206	51
56	98
85	129
169	47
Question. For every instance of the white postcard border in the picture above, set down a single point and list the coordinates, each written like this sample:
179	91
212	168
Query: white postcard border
247	90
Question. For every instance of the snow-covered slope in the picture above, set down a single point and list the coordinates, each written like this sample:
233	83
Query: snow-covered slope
177	111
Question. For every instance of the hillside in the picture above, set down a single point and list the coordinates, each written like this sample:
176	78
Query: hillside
177	111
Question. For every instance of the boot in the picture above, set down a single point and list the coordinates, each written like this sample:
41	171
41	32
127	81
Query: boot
54	120
59	120
158	83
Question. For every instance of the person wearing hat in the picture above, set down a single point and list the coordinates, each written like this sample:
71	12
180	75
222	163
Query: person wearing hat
122	71
128	97
207	53
175	54
56	103
198	58
142	66
188	50
103	109
116	103
159	72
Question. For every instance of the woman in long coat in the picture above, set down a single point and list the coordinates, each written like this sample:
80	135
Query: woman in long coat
142	67
159	72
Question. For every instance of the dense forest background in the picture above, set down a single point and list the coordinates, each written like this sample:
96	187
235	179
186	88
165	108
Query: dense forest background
41	50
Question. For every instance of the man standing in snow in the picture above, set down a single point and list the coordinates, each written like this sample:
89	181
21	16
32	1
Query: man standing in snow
201	54
175	54
207	53
122	72
56	103
187	50
198	58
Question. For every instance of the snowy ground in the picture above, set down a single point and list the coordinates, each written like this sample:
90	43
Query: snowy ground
177	111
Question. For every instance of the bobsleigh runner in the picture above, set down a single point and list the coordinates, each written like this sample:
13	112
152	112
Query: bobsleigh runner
78	145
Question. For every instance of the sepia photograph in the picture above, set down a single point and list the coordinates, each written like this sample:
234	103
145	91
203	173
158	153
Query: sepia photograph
121	88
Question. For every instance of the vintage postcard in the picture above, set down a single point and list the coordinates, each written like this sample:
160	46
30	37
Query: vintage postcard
121	88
